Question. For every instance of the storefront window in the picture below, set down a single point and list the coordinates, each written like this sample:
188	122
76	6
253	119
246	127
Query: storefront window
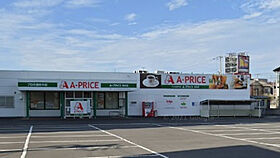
112	100
100	100
44	101
78	94
6	102
37	100
69	95
87	94
52	100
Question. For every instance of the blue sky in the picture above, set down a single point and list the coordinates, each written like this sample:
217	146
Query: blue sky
127	35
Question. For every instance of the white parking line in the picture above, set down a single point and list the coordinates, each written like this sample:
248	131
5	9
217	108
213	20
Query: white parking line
260	138
119	124
58	132
240	134
252	129
88	148
70	136
222	130
142	147
256	124
26	143
13	137
223	136
11	143
10	150
121	156
62	127
75	141
13	130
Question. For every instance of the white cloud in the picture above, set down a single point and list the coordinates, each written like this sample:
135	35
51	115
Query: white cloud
37	3
132	23
253	15
175	4
82	3
130	17
264	6
265	11
270	4
115	24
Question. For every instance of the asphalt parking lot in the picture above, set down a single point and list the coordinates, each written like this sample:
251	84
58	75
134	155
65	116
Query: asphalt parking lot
140	138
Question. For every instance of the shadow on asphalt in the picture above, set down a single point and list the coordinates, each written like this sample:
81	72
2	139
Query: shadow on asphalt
22	125
241	151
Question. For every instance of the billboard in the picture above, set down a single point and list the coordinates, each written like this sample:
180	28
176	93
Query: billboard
185	81
229	82
149	80
243	64
231	64
194	81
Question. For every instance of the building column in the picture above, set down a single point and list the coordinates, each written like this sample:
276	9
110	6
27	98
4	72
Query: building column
94	104
126	104
27	99
62	104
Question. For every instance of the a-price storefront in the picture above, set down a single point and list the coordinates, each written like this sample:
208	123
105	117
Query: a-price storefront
89	94
67	94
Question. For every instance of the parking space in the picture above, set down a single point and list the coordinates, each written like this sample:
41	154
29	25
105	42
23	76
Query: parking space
12	140
141	139
264	135
80	141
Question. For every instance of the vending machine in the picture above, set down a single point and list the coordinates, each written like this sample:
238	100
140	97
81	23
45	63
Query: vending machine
148	109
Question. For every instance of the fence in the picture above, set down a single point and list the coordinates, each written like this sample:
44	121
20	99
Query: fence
233	108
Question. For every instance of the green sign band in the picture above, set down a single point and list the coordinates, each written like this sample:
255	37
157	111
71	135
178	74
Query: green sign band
182	95
118	85
37	84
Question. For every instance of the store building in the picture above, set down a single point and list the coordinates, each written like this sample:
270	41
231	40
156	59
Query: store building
89	94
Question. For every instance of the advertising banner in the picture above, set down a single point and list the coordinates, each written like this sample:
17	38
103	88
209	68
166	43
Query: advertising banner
79	107
149	80
231	64
176	105
243	64
229	82
194	81
185	81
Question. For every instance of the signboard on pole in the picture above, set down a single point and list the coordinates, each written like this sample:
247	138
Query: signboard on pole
231	63
243	64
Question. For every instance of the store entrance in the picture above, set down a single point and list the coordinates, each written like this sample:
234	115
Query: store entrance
78	104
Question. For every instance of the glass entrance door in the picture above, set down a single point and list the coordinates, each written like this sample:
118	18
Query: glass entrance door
78	104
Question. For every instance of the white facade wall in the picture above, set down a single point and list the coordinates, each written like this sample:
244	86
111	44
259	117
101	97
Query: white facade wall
165	106
9	87
191	108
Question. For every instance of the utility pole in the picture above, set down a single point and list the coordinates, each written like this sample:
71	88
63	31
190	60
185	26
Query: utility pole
221	63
